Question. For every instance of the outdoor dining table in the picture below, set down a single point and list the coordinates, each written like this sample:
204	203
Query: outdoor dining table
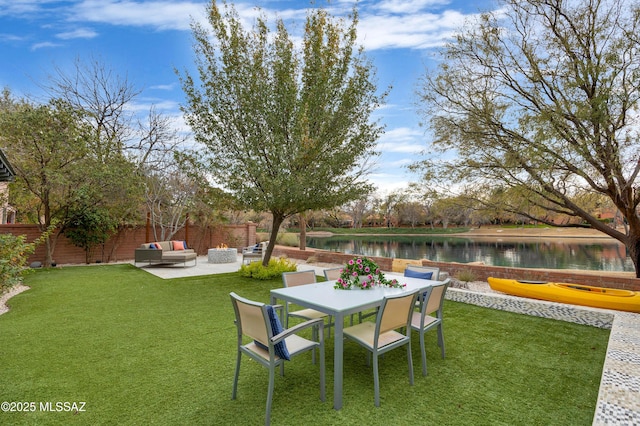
339	304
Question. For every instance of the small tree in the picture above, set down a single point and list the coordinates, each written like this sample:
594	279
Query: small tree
287	130
48	148
14	252
89	224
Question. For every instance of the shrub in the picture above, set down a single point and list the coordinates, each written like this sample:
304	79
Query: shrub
466	275
14	251
288	239
275	269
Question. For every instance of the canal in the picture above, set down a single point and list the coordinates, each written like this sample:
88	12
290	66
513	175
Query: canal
555	253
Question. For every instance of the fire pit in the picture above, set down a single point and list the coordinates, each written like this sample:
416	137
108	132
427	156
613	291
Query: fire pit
222	255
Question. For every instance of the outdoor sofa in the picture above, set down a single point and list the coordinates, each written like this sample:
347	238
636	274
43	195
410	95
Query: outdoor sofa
165	252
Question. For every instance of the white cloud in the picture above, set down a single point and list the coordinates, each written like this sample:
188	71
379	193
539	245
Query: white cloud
415	31
78	33
44	44
167	87
408	6
163	15
19	7
401	140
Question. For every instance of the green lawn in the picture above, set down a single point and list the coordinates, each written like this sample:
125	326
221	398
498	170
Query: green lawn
142	350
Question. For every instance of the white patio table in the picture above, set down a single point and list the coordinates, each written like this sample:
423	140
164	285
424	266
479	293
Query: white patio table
340	304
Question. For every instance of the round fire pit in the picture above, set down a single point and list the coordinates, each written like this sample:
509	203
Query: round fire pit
222	255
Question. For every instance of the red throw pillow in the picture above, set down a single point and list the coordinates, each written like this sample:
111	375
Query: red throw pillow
178	245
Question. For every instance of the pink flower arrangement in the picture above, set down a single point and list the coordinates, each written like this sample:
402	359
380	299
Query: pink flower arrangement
363	273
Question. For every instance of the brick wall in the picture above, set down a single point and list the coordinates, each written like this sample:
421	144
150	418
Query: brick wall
481	272
121	246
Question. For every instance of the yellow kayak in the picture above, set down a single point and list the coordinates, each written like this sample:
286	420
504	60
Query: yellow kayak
576	294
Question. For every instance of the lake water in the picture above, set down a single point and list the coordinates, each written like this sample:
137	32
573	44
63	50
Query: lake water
556	253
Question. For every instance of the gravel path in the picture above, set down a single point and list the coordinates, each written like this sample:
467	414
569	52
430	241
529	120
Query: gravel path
9	294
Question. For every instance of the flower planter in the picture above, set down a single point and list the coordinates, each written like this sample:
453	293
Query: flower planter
228	255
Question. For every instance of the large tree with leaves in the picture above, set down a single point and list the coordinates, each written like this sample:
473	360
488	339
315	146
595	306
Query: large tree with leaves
541	101
287	128
48	148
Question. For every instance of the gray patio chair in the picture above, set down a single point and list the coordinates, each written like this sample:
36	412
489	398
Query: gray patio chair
430	302
293	279
331	274
418	271
383	335
271	345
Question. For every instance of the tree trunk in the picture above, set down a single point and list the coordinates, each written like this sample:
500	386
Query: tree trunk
275	228
48	257
632	244
303	231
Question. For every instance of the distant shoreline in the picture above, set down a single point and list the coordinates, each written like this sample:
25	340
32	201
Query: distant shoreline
489	232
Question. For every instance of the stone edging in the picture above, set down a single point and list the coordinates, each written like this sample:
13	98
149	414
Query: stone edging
4	297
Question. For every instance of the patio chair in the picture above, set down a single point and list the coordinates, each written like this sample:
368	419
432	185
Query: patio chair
271	345
254	253
332	273
293	279
382	336
422	321
418	271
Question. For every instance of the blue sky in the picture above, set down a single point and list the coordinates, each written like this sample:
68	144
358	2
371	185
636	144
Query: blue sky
145	41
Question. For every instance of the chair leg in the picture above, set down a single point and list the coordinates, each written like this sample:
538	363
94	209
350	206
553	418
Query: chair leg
272	373
235	379
376	381
410	363
441	339
314	337
423	353
322	374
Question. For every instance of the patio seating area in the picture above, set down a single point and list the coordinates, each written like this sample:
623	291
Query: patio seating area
619	394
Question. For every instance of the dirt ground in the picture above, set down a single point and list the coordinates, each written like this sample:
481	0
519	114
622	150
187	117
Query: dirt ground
537	232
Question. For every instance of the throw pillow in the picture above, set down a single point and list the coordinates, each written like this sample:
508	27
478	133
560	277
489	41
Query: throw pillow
411	273
177	245
276	328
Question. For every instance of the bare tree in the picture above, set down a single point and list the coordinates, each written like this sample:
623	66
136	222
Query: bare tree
542	100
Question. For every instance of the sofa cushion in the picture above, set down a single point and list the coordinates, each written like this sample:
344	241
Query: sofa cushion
164	245
178	245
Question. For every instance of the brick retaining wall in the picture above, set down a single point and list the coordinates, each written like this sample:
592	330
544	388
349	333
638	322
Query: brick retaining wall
121	246
481	272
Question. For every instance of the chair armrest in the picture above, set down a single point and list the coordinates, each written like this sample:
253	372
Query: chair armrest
298	327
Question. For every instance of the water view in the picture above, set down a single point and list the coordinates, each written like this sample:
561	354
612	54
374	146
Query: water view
591	254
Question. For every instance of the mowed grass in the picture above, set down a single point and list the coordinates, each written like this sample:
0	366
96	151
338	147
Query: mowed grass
141	350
